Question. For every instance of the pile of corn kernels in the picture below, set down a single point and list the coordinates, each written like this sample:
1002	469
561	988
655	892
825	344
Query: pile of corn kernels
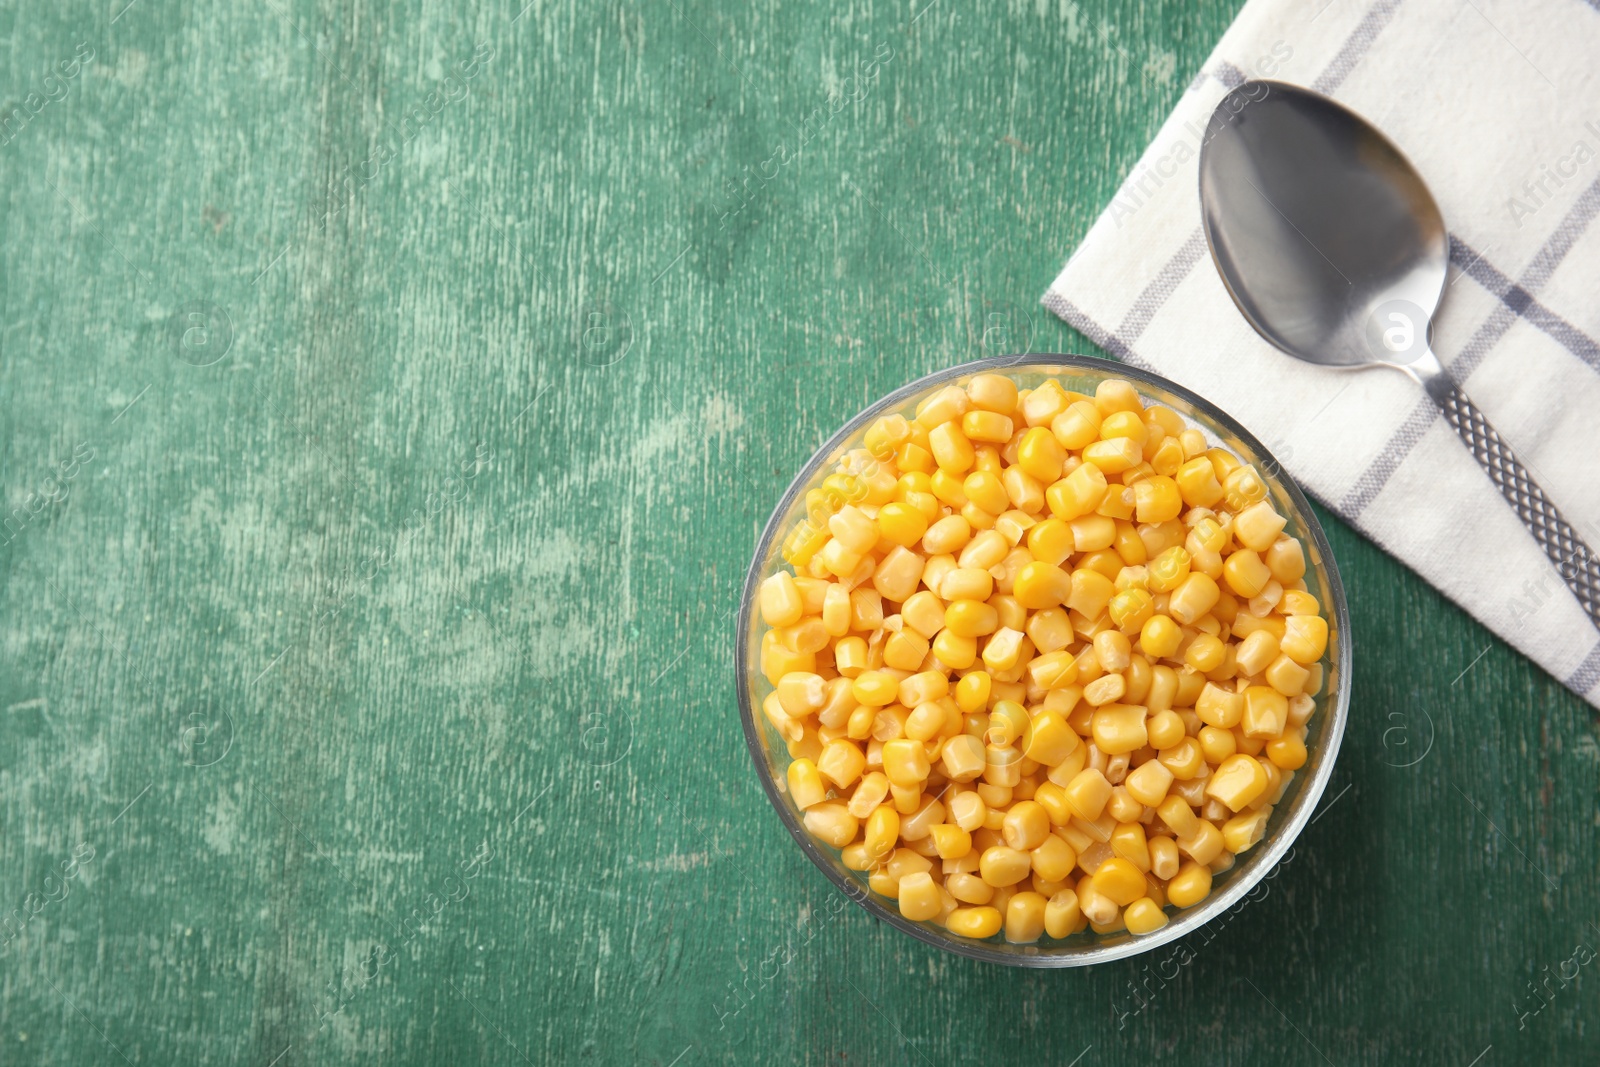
1045	660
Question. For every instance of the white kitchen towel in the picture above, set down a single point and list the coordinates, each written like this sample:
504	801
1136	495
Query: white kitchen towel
1498	105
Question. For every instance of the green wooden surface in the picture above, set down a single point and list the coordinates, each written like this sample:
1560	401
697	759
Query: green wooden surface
387	466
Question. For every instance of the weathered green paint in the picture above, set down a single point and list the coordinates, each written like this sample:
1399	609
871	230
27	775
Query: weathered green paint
451	533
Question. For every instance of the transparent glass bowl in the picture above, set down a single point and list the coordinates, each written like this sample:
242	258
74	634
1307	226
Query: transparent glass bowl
1289	817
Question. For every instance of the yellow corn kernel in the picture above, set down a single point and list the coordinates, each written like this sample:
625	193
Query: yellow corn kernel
1299	602
955	651
875	689
1120	728
1217	706
850	656
1053	799
1287	752
1244	830
1078	494
1143	916
1165	726
1087	794
976	923
1050	629
946	487
1128	842
1003	766
871	791
971	618
1039	406
1245	573
841	762
1025	826
1009	725
1189	886
1077	426
1256	652
1148	783
1117	394
972	692
968	810
1124	424
1287	560
1197	595
1258	526
968	888
1131	610
1104	690
1305	638
1197	481
780	600
866	609
852	528
1052	741
807	635
1205	653
1178	815
1168	456
950	841
1061	915
1041	455
801	693
984	489
1216	743
1114	456
805	784
925	722
1025	918
1118	503
923	687
951	448
901	524
1205	844
1091	592
967	583
882	832
988	426
1237	782
1160	637
963	758
993	392
905	762
1184	759
1168	570
1001	866
1241	485
1050	541
949	534
1120	880
832	823
1266	713
1053	859
919	896
923	612
1287	676
920	823
1054	670
1004	649
1156	499
1164	861
1041	585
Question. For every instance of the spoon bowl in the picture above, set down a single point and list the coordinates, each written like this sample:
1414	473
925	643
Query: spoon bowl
1322	230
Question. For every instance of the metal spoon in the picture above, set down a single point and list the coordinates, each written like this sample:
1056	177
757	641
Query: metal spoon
1331	245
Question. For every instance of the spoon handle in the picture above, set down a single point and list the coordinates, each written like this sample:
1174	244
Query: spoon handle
1574	560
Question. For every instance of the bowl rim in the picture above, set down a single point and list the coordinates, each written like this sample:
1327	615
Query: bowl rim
1190	919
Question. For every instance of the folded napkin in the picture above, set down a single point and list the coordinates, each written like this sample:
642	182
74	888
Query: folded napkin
1498	106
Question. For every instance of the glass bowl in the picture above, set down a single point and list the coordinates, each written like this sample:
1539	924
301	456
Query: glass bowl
1289	817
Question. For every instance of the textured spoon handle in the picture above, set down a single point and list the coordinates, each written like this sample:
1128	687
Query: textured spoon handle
1574	560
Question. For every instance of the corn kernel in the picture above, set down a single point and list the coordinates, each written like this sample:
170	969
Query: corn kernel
993	392
905	762
1242	831
1120	880
832	823
1001	865
1148	783
1258	526
1189	886
1156	499
1287	676
1217	706
1087	794
977	923
1245	573
805	784
1205	844
1266	713
841	762
1305	638
1193	598
1041	455
950	840
1114	456
1237	782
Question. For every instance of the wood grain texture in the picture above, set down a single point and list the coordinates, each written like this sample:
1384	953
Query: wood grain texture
419	426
